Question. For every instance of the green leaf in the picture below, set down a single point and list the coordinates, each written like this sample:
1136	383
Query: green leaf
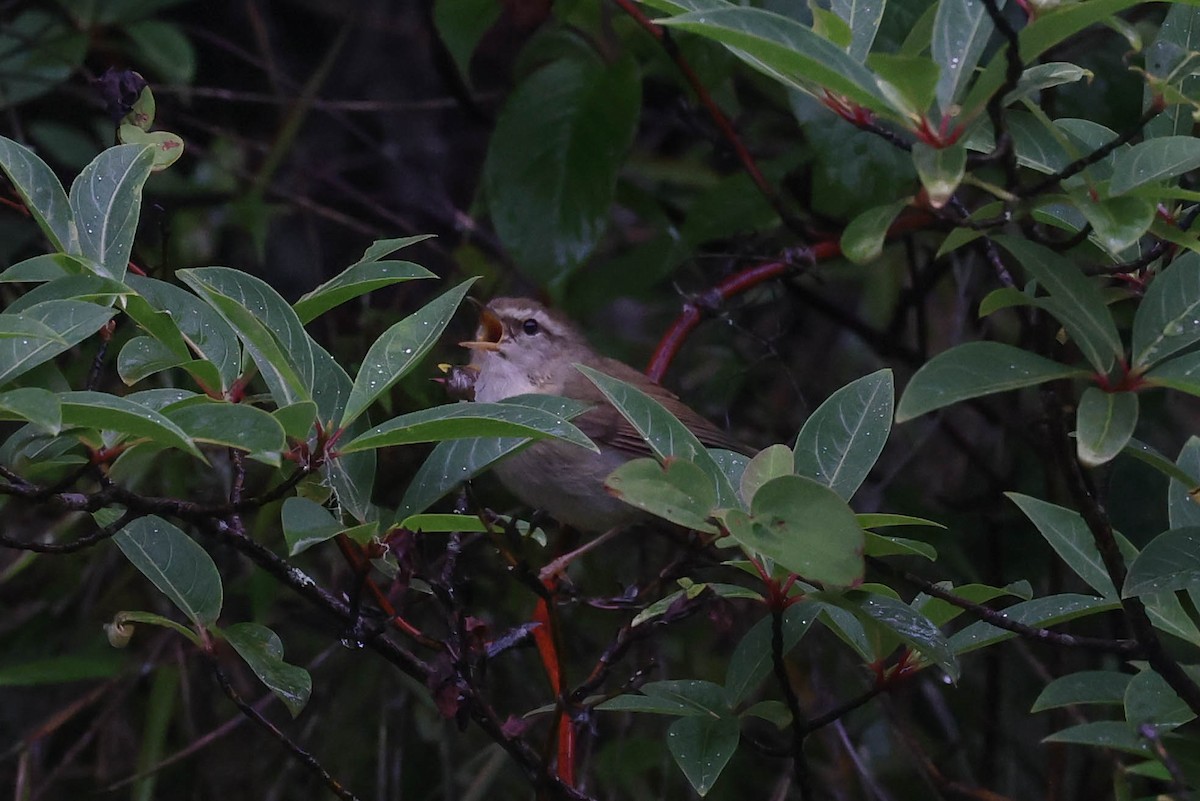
960	32
804	527
41	193
1104	422
306	523
1069	536
1108	734
662	431
46	267
775	712
297	419
1150	701
1077	301
702	747
352	476
1154	160
166	146
941	170
106	412
972	370
1170	562
693	590
771	462
142	357
89	288
862	240
885	520
849	629
160	398
912	628
1046	76
39	50
263	651
266	325
1144	453
181	569
1181	373
752	659
553	158
1047	30
696	698
649	704
141	113
863	18
17	326
398	350
1168	318
1119	222
676	490
232	425
164	48
455	461
34	404
785	50
1038	146
1085	687
461	24
831	27
203	330
909	82
366	275
439	523
71	320
1182	509
1177	39
463	420
879	546
106	201
940	612
1041	612
841	441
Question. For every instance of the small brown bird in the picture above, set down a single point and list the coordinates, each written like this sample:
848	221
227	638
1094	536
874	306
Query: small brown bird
522	347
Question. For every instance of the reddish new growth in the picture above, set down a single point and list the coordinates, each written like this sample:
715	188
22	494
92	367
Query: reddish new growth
848	110
1127	381
946	134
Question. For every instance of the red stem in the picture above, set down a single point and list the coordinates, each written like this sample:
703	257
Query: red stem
694	310
543	638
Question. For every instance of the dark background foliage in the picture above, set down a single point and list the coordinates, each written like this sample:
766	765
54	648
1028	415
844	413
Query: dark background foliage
314	128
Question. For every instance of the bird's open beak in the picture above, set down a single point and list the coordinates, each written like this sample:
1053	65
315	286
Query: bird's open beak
490	332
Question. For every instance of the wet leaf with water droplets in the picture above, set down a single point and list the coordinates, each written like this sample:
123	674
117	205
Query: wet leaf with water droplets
397	351
841	441
106	200
1170	562
176	564
263	651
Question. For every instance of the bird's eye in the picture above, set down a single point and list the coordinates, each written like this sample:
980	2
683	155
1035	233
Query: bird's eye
530	326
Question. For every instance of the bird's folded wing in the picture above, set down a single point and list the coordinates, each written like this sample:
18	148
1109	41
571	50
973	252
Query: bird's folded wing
607	426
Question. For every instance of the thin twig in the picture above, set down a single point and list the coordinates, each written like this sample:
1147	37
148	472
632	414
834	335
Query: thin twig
799	721
1129	649
1099	154
304	757
95	538
1004	150
1098	523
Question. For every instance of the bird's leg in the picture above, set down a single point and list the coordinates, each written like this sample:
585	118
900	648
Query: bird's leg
556	568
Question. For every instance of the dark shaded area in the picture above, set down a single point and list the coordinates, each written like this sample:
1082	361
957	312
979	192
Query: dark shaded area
313	129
